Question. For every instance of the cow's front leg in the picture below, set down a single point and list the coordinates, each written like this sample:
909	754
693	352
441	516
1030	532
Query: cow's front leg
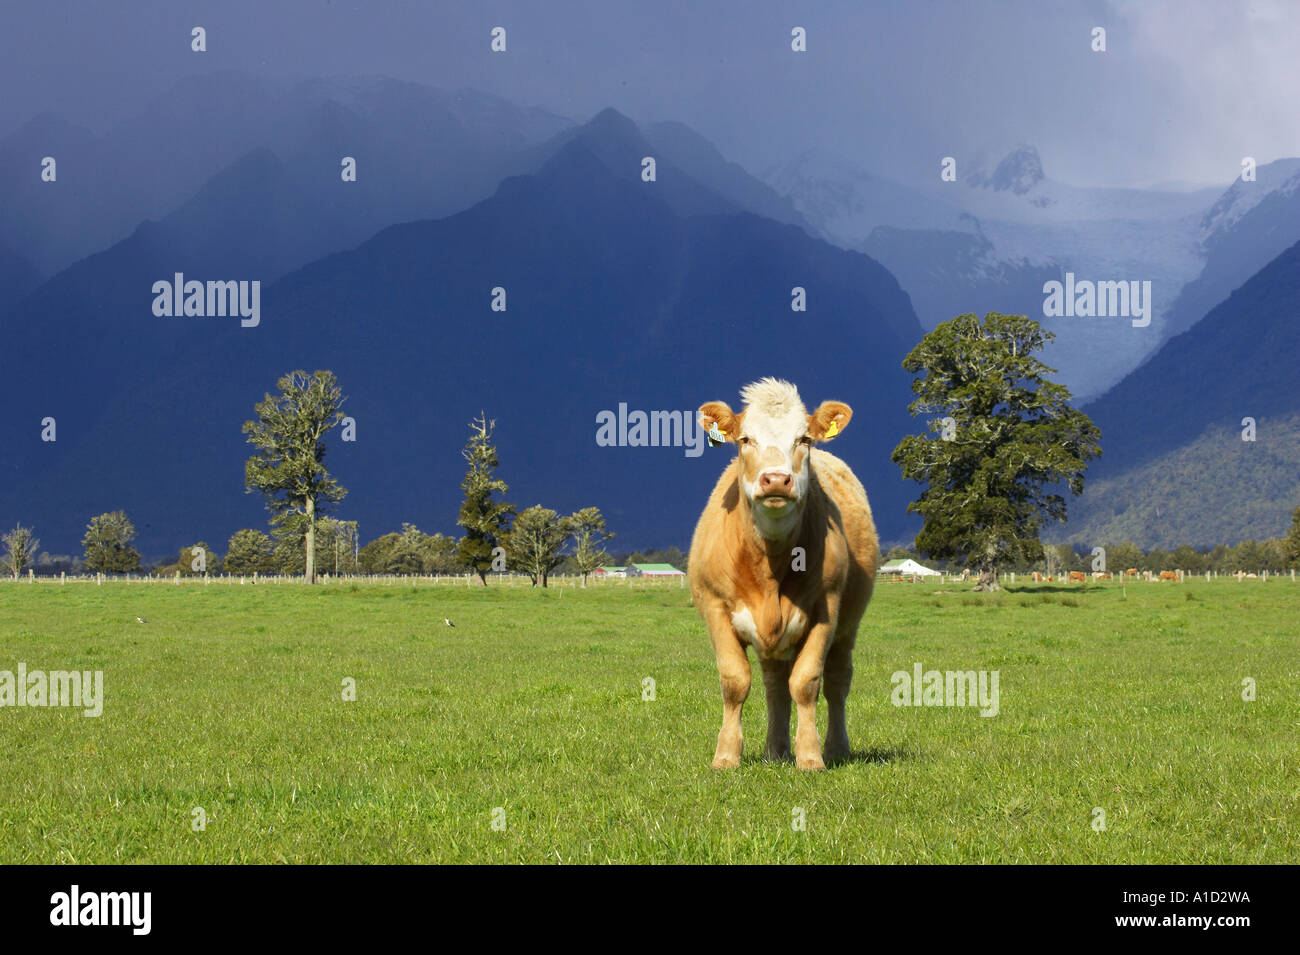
734	675
776	683
805	683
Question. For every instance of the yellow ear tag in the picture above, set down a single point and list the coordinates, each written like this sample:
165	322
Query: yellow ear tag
833	430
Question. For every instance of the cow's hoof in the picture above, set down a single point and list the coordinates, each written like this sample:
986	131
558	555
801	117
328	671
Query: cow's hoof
810	762
836	754
726	762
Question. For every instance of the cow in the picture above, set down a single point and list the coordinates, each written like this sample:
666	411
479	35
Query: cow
783	560
1169	575
1131	572
1077	576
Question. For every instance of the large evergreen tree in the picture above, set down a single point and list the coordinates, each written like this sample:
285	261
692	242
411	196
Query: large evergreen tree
288	467
484	518
1005	439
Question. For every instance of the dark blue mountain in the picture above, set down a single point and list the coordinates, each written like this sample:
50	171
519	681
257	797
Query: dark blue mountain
421	152
1176	469
657	294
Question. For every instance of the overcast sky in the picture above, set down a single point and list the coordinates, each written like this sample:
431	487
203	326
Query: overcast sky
1184	91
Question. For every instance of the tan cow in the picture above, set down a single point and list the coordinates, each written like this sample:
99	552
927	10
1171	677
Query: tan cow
783	559
1076	576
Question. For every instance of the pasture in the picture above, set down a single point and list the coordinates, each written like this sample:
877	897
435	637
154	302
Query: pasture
530	715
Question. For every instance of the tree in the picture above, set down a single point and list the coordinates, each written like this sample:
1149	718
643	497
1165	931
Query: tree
1007	439
249	552
407	553
288	466
1061	559
107	544
336	545
587	527
20	545
535	540
485	519
1121	557
1156	560
197	560
1291	543
1185	557
410	552
374	556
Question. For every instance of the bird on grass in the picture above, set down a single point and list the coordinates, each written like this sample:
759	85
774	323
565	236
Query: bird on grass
141	620
448	622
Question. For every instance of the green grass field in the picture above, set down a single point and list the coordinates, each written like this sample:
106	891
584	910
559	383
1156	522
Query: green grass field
230	699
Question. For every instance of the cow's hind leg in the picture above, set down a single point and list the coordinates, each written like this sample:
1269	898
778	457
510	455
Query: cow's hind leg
776	683
837	675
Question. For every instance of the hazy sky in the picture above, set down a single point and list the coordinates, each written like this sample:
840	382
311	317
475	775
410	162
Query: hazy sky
1184	91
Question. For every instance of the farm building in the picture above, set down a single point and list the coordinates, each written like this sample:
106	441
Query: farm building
653	570
609	572
905	567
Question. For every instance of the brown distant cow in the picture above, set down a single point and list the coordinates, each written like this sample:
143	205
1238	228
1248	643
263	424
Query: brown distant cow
1168	575
1077	576
783	559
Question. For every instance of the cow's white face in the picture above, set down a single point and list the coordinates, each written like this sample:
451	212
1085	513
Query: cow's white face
774	435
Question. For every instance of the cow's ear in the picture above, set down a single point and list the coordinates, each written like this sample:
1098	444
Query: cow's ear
716	417
830	418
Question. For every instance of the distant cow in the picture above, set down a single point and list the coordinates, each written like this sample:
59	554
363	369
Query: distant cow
783	559
1038	578
1168	575
1131	572
1100	575
1077	576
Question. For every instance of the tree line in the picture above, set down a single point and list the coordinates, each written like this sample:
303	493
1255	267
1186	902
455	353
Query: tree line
1001	452
1276	555
287	467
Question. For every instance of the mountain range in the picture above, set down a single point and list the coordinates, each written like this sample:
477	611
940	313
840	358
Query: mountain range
654	294
658	295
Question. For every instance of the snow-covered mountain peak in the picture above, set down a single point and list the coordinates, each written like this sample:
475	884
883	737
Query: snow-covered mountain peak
1018	172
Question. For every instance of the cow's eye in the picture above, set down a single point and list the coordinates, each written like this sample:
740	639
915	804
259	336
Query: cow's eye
805	440
744	440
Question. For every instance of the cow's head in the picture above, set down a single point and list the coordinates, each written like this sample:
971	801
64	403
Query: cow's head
774	435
